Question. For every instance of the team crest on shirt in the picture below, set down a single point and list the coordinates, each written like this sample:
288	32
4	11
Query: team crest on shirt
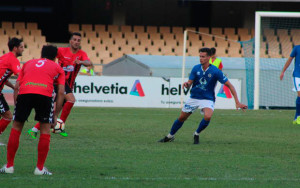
209	75
198	73
202	84
68	68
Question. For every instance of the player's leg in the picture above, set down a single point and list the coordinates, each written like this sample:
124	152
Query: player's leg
44	114
5	114
21	113
190	106
70	100
207	108
297	114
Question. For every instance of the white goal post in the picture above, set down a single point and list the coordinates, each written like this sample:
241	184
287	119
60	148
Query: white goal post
258	16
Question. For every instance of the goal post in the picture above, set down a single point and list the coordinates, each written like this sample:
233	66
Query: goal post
257	56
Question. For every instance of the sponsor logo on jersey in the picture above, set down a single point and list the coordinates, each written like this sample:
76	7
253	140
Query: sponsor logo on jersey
69	68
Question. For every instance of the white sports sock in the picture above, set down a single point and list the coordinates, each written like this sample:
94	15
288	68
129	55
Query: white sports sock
34	129
170	136
195	133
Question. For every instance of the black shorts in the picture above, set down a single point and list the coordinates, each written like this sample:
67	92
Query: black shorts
3	104
43	106
67	88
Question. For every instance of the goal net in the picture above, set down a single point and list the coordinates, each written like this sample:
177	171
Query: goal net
276	33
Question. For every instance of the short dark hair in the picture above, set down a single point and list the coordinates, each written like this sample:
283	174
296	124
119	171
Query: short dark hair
207	50
49	52
76	34
14	42
213	51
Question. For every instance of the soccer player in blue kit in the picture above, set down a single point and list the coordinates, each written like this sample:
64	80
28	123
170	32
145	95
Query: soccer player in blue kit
296	74
203	79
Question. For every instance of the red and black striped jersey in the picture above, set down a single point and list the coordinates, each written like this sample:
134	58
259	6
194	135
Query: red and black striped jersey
9	65
66	60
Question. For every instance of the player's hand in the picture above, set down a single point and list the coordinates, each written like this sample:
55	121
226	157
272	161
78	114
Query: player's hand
77	62
186	85
281	75
241	106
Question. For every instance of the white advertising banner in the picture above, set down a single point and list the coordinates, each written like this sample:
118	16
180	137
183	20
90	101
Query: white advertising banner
151	92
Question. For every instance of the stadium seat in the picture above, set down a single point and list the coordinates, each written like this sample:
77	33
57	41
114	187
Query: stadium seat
10	31
19	25
113	28
116	35
32	26
171	43
145	42
155	36
222	43
234	52
140	50
196	43
296	39
206	37
24	32
36	32
2	31
133	42
203	30
167	50
178	50
243	31
154	50
159	43
121	42
151	29
193	51
8	25
269	32
191	28
94	41
233	44
98	69
39	39
129	35
86	27
221	52
138	29
209	44
168	36
233	37
177	30
103	35
229	31
245	37
90	34
126	28
127	50
284	38
295	32
142	36
100	28
282	32
72	27
193	36
107	41
164	29
217	31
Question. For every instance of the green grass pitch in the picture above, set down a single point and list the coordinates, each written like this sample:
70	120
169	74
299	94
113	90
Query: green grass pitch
117	147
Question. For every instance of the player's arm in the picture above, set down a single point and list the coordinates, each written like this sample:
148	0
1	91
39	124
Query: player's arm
9	84
187	84
84	63
233	92
16	92
287	64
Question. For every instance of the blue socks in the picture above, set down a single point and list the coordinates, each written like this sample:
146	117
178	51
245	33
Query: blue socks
176	126
203	124
297	107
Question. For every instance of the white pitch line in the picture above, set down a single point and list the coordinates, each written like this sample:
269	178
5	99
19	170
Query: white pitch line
155	179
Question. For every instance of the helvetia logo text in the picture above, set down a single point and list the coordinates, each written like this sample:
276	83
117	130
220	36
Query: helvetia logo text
137	89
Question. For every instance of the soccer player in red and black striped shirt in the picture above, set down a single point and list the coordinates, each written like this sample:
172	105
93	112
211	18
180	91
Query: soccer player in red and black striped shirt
70	59
9	64
34	90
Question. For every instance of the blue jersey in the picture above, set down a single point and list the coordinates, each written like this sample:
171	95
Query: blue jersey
296	54
205	82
